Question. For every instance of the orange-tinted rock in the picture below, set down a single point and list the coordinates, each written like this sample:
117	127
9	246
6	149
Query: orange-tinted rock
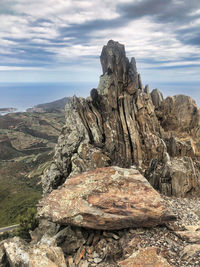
106	198
145	257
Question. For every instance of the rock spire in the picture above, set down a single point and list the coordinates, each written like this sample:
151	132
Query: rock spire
122	124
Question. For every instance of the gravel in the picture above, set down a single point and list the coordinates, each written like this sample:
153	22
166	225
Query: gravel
164	238
105	248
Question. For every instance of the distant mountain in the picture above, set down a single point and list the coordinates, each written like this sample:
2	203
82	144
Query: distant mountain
54	106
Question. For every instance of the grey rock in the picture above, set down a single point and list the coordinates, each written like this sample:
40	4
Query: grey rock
70	239
20	253
157	97
121	124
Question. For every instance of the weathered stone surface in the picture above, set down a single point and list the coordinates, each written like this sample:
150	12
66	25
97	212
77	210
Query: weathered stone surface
117	125
184	178
113	60
16	253
122	124
47	256
19	253
180	148
190	250
180	114
49	228
106	198
157	97
189	236
145	257
70	239
177	176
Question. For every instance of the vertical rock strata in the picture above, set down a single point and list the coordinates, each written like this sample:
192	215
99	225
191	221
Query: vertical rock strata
122	124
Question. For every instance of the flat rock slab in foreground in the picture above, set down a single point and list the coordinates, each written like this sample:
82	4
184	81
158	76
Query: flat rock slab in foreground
106	198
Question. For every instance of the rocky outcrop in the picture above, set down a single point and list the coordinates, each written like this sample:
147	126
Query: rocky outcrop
106	198
19	253
117	125
88	247
177	177
180	115
92	214
157	97
122	124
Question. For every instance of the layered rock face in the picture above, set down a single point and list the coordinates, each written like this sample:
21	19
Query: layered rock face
122	124
89	204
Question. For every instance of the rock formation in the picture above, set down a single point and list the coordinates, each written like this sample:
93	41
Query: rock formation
122	124
87	200
19	253
110	198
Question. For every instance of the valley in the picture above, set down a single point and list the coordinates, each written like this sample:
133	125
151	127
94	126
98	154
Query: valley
27	141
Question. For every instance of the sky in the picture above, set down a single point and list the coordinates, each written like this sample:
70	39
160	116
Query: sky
51	41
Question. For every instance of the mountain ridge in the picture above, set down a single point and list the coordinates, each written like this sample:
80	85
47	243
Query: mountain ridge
52	106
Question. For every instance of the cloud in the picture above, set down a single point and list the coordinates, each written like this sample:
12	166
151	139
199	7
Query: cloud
67	36
181	17
171	11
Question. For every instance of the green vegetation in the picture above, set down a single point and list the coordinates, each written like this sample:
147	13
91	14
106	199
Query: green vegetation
28	222
9	234
26	149
17	193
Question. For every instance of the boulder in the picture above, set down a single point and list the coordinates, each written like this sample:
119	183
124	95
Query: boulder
157	97
180	114
16	252
2	254
106	198
145	257
20	253
176	176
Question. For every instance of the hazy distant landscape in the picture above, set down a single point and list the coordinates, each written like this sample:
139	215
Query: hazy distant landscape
27	141
27	95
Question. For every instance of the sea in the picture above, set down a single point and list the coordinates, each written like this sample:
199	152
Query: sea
26	95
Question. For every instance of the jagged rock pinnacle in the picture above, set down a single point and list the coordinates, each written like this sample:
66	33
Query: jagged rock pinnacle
117	69
122	124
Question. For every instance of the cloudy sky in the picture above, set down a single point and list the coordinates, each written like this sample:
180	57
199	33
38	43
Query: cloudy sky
61	40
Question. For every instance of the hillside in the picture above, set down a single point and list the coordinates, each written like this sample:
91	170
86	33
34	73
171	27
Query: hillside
54	106
27	141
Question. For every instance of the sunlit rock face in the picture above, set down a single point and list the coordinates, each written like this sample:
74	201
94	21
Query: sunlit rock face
109	198
122	124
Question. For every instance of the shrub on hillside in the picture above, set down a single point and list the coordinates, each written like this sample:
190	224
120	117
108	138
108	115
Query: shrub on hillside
27	222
